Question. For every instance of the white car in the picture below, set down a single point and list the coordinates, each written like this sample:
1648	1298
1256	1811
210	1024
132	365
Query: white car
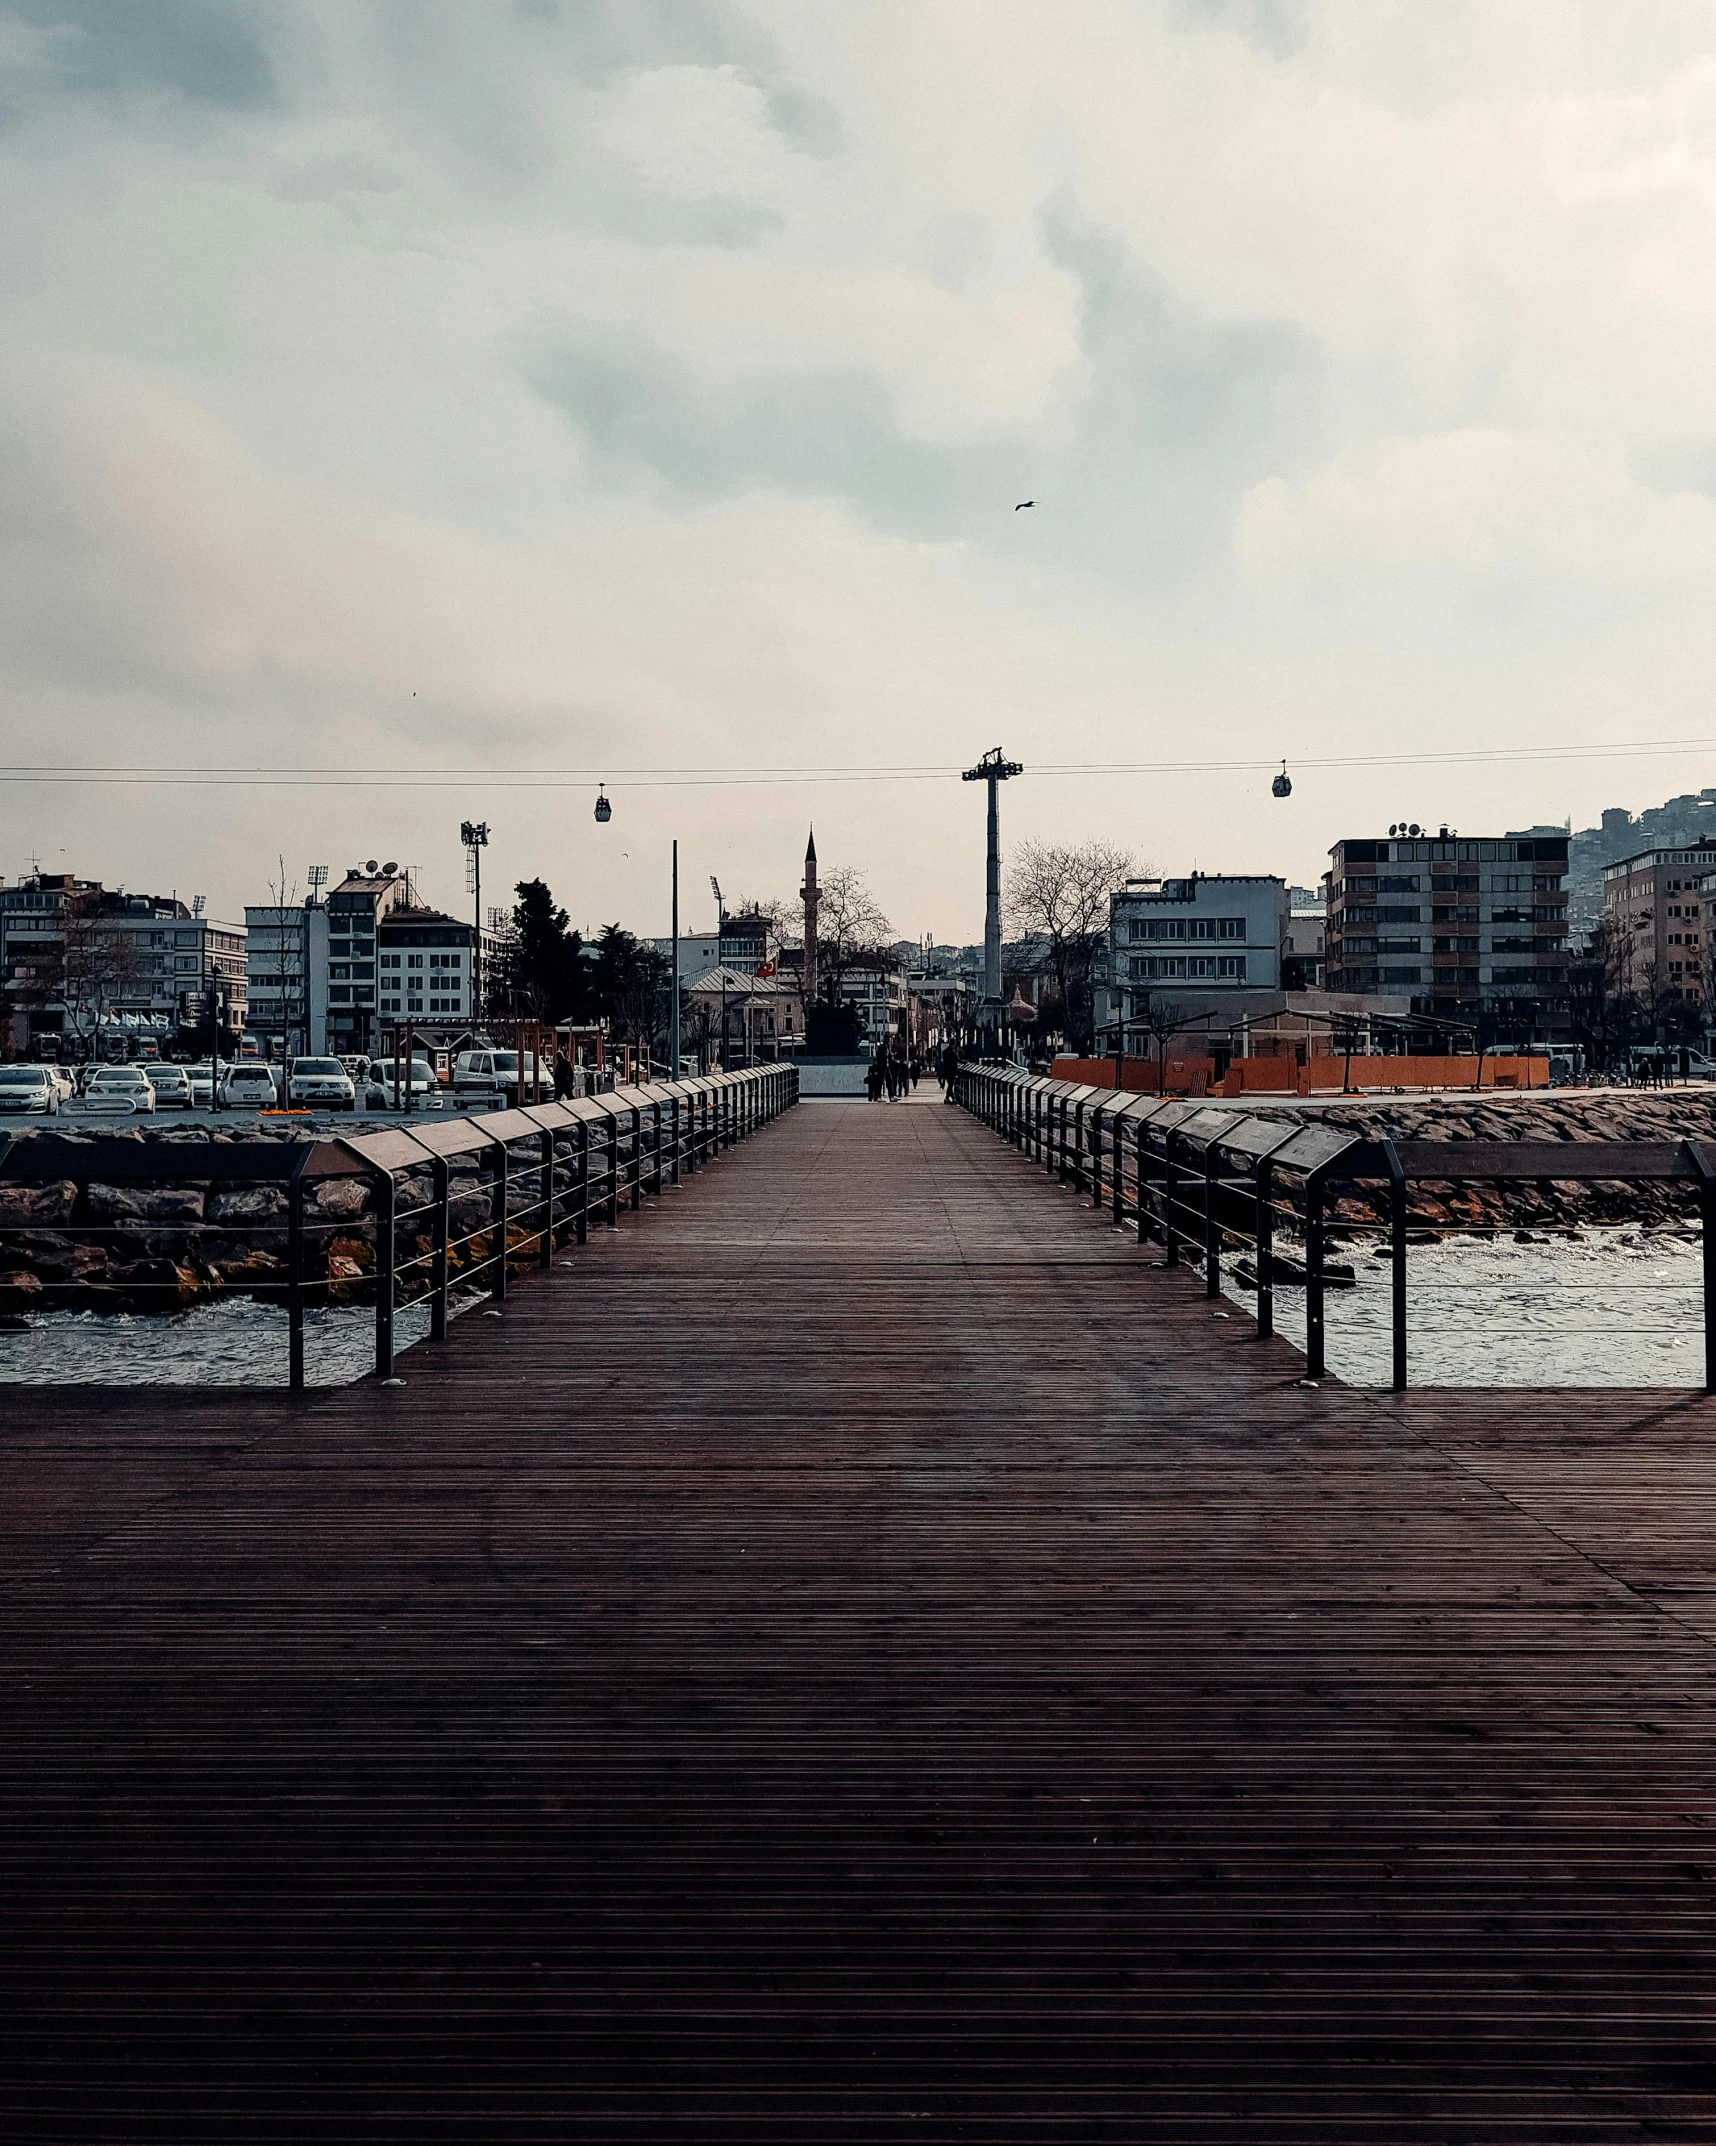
320	1083
111	1088
247	1085
172	1088
420	1084
201	1079
29	1088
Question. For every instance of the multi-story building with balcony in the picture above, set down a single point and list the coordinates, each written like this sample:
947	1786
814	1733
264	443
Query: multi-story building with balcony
1655	905
424	967
1472	930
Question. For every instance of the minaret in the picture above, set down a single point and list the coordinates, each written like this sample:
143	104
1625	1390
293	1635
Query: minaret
811	899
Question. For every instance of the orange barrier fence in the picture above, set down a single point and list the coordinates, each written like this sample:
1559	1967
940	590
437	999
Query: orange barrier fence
1324	1075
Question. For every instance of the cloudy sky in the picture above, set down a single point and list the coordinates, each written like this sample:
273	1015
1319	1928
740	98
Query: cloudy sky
516	385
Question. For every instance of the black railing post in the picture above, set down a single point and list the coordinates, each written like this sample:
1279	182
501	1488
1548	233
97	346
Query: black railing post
637	1157
677	1100
545	1250
295	1274
655	1152
1314	1357
443	1178
1212	1225
384	1227
1397	1260
1139	1145
1707	1218
582	1224
1170	1201
497	1217
1264	1233
612	1202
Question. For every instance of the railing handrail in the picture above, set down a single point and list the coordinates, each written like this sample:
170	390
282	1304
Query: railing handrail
1068	1126
678	1125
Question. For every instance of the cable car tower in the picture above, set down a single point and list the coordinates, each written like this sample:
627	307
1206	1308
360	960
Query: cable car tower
994	769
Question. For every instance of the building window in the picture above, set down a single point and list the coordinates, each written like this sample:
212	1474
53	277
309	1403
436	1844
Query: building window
1232	927
1200	965
414	961
340	995
1232	966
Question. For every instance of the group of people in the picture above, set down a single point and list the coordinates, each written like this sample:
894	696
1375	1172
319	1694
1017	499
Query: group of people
897	1068
894	1071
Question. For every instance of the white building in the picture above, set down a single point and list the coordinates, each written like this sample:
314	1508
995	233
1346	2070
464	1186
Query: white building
424	962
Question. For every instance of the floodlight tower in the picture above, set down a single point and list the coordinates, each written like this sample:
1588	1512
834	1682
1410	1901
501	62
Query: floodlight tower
994	769
474	834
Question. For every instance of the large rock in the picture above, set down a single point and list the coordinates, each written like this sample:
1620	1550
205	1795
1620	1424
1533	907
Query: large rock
146	1203
19	1291
338	1198
250	1203
46	1204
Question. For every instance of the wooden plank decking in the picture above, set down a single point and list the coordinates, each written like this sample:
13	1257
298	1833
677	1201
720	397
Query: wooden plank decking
861	1653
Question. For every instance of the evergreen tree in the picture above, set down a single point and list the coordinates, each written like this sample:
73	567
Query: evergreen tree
546	979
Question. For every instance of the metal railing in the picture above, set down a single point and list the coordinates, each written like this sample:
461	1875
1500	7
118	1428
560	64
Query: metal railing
1202	1181
406	1215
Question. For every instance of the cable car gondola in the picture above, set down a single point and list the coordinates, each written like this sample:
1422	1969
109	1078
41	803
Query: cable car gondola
1282	786
604	811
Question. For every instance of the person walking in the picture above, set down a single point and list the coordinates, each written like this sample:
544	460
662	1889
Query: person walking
874	1076
891	1075
914	1070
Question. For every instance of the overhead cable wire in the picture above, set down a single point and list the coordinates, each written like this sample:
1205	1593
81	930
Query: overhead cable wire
214	775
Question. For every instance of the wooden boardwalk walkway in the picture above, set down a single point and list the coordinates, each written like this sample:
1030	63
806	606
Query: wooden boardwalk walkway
859	1654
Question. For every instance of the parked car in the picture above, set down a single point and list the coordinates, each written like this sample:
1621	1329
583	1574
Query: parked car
421	1085
64	1078
172	1089
114	1086
320	1081
485	1073
201	1079
29	1088
248	1085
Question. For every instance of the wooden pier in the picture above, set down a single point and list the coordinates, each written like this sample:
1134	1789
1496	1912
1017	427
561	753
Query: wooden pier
860	1653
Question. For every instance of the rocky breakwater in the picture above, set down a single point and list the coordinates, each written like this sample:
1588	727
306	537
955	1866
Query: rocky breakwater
81	1244
1571	1116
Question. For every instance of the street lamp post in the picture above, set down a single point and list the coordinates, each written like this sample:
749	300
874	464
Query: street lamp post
673	1013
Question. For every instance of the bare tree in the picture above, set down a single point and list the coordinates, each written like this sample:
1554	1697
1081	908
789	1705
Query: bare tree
294	1013
851	931
782	917
98	964
1159	1018
1059	895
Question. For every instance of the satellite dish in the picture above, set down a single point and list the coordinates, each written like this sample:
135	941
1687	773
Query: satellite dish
1282	786
604	811
390	868
370	867
1415	829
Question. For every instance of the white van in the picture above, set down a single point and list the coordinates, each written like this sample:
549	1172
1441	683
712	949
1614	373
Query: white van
485	1073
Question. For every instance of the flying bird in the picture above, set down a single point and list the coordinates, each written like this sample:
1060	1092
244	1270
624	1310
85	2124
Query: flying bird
1023	504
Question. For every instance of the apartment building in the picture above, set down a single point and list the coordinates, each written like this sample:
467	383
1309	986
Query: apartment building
1472	929
425	967
1655	905
76	957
